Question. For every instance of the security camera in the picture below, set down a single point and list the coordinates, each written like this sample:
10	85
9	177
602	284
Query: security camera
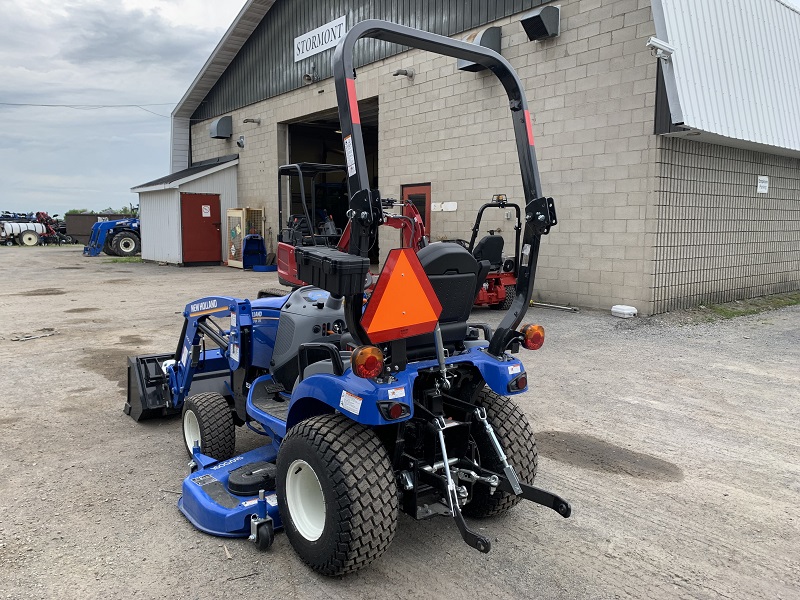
660	49
240	141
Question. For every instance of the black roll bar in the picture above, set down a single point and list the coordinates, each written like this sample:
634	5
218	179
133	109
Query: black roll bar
365	210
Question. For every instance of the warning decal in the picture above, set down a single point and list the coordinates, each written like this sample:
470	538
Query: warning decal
348	153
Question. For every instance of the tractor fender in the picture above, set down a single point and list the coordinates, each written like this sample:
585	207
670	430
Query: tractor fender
353	396
499	374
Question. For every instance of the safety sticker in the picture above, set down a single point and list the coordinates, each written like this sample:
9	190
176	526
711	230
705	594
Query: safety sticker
350	402
233	320
351	159
399	392
248	503
184	355
235	352
514	369
272	500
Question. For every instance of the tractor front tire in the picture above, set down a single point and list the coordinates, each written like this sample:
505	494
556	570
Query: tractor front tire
29	238
337	494
108	248
126	243
515	435
208	422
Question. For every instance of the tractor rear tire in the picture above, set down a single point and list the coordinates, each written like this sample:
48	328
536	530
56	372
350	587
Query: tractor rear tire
29	238
208	421
515	435
337	494
511	293
126	243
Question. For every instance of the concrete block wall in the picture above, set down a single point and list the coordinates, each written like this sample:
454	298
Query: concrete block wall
591	92
718	239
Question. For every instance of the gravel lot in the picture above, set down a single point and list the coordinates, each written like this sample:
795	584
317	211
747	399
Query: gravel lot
677	444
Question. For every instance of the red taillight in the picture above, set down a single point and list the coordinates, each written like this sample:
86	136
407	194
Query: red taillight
522	382
367	361
533	336
396	411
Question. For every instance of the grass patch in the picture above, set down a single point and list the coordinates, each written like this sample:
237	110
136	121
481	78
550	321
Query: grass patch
125	259
753	306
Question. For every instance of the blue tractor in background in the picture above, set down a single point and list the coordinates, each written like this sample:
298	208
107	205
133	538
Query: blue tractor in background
121	237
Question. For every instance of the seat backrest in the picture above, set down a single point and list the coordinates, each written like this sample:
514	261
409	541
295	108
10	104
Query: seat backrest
453	273
490	248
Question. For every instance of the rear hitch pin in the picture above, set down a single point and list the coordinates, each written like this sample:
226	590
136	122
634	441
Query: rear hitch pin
508	470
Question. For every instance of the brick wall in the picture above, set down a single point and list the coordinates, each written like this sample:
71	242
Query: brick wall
717	239
591	93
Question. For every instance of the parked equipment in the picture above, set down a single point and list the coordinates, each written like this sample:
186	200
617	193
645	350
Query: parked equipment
501	282
121	237
397	404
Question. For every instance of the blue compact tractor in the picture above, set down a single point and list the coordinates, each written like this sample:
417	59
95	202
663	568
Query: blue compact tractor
368	406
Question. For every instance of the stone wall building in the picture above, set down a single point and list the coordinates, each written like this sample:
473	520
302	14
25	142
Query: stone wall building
661	204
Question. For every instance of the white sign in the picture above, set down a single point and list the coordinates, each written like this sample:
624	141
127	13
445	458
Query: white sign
348	153
763	184
444	206
206	210
320	39
350	402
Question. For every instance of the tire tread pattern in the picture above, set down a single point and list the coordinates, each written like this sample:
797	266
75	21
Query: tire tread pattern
217	430
364	487
516	437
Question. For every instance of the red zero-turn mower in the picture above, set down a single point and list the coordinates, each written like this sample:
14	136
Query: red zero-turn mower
399	403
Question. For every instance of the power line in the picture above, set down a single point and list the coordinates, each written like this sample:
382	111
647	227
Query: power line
92	106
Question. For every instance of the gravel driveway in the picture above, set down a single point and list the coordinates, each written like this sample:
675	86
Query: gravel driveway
677	444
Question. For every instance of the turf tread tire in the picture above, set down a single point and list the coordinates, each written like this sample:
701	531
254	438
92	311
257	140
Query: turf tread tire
356	477
511	293
217	429
516	437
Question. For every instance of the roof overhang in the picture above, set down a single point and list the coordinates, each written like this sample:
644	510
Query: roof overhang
160	184
238	33
732	75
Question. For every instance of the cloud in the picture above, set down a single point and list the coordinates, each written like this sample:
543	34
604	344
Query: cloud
94	52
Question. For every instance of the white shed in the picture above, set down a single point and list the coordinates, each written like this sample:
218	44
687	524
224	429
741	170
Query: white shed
183	214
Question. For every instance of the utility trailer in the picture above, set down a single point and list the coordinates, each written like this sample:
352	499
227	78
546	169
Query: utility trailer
369	404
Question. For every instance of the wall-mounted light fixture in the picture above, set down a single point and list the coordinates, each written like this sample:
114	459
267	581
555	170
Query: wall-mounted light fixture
256	121
311	76
542	23
405	72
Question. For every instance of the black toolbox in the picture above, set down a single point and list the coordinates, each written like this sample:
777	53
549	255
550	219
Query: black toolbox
332	270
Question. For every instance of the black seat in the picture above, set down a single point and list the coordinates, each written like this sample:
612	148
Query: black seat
455	276
490	248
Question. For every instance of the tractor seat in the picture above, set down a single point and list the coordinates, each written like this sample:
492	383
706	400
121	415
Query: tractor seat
490	248
456	277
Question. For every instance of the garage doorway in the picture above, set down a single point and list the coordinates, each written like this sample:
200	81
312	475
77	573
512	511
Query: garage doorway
316	138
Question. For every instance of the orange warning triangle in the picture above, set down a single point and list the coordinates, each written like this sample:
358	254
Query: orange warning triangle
404	303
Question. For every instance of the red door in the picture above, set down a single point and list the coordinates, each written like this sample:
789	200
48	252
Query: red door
420	196
200	228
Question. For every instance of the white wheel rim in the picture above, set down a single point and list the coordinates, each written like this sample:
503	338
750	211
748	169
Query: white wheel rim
126	244
191	430
305	500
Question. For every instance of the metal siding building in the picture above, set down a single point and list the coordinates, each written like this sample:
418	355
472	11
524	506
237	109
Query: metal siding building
160	208
654	163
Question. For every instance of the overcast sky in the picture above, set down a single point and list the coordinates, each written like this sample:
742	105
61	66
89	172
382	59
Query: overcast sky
95	52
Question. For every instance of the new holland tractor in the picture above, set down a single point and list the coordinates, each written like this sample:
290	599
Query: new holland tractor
368	405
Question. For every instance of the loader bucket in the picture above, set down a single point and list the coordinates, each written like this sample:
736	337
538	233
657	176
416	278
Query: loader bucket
148	389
